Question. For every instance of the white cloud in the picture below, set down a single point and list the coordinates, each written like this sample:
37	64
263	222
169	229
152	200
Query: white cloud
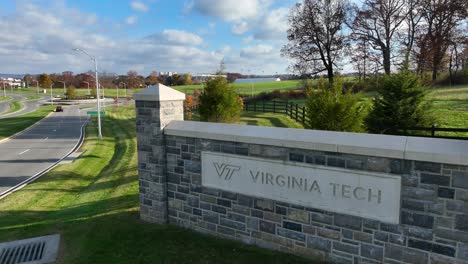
177	37
131	20
273	25
255	51
229	10
240	28
224	49
139	6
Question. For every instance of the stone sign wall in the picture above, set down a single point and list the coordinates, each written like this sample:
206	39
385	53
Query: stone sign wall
360	204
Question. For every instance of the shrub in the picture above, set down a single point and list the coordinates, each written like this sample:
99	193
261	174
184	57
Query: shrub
219	102
401	103
188	106
71	92
331	108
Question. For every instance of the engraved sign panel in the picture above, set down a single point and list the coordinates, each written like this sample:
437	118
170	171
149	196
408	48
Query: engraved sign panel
370	195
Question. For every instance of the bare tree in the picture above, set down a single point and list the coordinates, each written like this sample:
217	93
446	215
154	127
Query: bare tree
414	15
316	42
378	23
441	18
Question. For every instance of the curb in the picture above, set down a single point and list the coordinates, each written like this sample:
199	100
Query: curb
39	174
28	128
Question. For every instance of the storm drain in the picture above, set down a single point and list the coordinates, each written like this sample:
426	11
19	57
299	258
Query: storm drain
39	250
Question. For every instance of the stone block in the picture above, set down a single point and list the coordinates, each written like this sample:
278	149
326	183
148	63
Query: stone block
268	152
264	204
291	234
347	221
436	179
299	216
418	193
446	193
351	249
252	223
322	218
232	224
431	247
414	219
452	235
296	157
364	237
421	233
267	227
460	179
461	222
328	233
319	243
236	217
378	164
457	206
292	226
372	252
461	195
462	251
427	166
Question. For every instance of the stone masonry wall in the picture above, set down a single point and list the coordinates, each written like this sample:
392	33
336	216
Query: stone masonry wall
434	210
151	118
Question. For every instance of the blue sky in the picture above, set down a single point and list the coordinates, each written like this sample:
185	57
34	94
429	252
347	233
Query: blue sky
143	35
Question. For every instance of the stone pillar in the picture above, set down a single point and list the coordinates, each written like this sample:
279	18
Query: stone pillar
156	107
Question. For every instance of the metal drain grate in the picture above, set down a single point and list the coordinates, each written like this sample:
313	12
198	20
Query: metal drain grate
39	250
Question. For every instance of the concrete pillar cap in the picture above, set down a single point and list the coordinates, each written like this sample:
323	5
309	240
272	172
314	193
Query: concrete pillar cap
159	92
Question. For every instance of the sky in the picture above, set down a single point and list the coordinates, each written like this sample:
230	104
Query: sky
185	36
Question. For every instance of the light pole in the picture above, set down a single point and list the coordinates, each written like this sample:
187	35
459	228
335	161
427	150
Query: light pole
89	92
125	87
64	89
37	86
97	89
4	91
51	96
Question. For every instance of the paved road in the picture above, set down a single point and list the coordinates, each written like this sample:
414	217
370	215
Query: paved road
28	106
39	147
4	106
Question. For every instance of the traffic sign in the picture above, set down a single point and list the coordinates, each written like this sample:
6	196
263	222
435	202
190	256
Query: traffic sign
95	112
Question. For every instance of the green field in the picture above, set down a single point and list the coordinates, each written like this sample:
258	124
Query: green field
247	88
93	204
14	107
13	125
242	88
3	98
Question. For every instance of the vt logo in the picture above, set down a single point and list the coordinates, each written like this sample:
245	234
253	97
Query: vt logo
225	171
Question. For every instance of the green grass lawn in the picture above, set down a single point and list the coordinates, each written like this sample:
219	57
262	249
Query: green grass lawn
14	107
33	97
3	98
93	204
13	125
247	88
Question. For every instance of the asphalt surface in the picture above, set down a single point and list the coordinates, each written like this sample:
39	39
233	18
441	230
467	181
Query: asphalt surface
40	146
28	107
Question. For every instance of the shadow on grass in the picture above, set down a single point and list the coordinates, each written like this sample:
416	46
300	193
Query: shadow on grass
109	231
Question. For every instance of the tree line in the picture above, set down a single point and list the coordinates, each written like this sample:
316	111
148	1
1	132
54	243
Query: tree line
425	36
131	80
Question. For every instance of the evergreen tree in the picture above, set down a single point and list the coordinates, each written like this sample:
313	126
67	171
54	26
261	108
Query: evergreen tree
330	108
219	102
402	102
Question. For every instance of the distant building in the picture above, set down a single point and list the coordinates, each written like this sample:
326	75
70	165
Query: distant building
12	82
257	80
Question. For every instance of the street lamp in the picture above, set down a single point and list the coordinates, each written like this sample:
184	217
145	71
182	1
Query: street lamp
51	96
89	92
64	88
37	86
97	89
125	87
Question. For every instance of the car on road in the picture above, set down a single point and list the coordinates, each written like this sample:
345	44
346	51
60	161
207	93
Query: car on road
59	108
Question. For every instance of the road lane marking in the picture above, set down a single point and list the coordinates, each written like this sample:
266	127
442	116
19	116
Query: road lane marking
23	152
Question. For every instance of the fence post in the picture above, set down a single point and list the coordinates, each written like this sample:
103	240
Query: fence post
274	107
291	110
433	130
303	115
263	106
255	106
297	112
